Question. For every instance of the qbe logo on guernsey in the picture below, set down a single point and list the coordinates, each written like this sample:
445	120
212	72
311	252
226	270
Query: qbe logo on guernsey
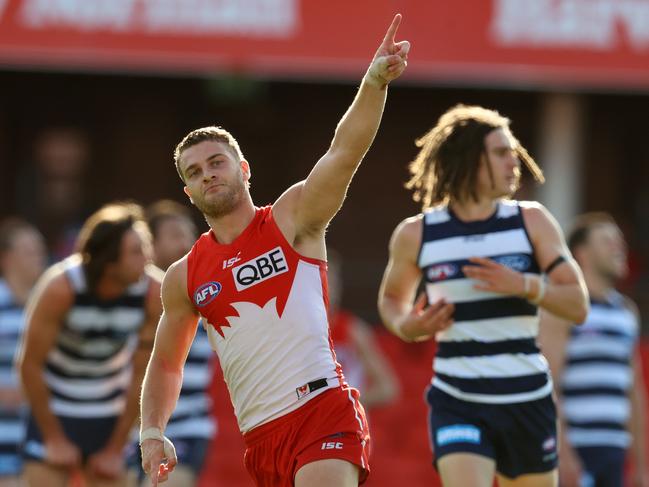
262	267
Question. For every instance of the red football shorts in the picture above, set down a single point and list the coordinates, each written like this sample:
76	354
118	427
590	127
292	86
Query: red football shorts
330	426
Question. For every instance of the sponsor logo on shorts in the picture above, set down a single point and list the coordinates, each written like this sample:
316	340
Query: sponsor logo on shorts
549	444
458	433
440	272
518	262
206	293
259	269
332	445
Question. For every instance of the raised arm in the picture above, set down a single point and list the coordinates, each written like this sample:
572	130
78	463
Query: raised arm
164	374
46	310
307	207
410	320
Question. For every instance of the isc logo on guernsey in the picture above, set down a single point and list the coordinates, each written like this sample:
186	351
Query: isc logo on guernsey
262	267
206	293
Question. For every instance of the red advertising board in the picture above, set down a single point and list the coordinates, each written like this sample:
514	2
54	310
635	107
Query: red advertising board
570	43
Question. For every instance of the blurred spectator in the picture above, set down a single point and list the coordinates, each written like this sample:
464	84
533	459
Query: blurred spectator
89	333
22	260
597	367
363	363
50	190
191	426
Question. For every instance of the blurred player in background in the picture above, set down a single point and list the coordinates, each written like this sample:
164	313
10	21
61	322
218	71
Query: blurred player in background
365	366
597	367
191	426
22	261
90	328
482	258
258	280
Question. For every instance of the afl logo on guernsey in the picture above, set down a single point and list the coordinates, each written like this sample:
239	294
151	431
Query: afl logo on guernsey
262	267
206	293
440	272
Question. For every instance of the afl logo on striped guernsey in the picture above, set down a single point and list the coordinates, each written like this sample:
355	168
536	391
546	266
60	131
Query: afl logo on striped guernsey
206	293
440	272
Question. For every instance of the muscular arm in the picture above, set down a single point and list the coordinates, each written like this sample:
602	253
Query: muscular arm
164	373
46	310
638	426
566	295
306	208
401	314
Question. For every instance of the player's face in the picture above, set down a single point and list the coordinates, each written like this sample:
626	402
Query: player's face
27	254
135	254
501	156
607	252
174	238
215	180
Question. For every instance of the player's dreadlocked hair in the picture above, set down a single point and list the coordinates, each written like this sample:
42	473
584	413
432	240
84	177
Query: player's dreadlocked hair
197	136
447	164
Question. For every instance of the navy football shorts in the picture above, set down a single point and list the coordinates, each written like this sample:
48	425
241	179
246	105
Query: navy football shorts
520	437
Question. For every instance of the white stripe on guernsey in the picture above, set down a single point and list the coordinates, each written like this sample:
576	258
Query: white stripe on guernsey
614	319
593	345
11	322
491	366
201	427
188	405
74	273
140	287
493	398
8	378
581	437
90	347
507	209
459	291
360	422
462	247
436	216
12	431
602	374
88	388
73	366
585	409
88	409
196	375
119	318
492	330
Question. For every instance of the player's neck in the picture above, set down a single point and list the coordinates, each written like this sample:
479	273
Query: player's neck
110	287
20	288
228	227
471	210
599	286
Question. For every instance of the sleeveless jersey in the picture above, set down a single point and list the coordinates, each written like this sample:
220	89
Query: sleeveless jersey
598	375
265	307
89	369
489	354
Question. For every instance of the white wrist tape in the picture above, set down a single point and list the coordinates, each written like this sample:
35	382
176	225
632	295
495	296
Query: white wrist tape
373	76
541	293
156	434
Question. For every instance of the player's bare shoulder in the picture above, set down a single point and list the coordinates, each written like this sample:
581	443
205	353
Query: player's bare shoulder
174	286
407	235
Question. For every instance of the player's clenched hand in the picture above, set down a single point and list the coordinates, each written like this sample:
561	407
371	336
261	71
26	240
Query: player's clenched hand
494	277
390	59
154	461
423	322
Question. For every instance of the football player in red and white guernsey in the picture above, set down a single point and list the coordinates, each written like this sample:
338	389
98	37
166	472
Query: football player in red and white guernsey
258	280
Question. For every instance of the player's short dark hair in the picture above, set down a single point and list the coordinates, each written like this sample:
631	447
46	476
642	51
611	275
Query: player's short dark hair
197	136
583	226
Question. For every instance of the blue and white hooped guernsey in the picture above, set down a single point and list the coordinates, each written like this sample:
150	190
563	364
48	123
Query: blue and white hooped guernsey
598	375
88	371
489	354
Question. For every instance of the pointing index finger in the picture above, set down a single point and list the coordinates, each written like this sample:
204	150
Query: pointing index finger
392	30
